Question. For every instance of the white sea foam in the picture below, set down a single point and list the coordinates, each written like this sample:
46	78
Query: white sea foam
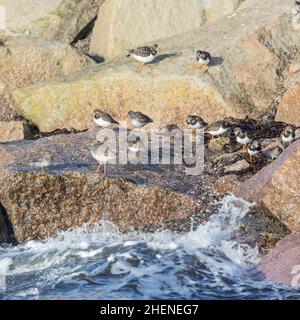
156	262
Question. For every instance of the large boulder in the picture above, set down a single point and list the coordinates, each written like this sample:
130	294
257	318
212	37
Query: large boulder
288	109
282	264
41	202
50	19
249	49
276	188
128	23
24	60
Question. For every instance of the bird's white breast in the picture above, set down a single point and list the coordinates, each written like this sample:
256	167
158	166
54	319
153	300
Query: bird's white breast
287	139
147	59
245	140
218	132
252	153
136	123
102	123
203	61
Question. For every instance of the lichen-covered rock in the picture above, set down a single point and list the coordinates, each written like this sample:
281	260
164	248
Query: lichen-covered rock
243	79
59	20
24	60
276	188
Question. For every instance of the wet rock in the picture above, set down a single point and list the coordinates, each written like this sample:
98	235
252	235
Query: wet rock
276	189
111	38
12	131
226	184
288	109
282	264
24	61
240	165
61	20
172	87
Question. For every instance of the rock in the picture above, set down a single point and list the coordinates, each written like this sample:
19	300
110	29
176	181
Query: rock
238	166
226	184
149	21
276	188
216	144
12	131
288	109
61	20
172	87
24	60
282	264
41	202
294	68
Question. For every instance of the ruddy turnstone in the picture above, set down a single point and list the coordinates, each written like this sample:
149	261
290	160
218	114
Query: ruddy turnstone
243	137
135	144
138	119
144	55
195	122
272	153
42	162
203	58
254	148
102	154
218	128
288	135
103	119
297	6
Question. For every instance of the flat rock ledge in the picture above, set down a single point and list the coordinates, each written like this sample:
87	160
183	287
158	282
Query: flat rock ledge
40	202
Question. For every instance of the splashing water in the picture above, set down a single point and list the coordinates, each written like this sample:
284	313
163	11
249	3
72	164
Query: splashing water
98	262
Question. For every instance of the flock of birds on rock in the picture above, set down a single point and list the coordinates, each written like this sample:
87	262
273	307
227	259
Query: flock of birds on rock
256	138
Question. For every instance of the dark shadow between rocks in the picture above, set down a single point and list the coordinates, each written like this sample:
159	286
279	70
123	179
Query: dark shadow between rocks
216	61
7	235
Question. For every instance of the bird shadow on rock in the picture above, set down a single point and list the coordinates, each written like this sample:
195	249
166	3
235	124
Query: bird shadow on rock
216	61
162	57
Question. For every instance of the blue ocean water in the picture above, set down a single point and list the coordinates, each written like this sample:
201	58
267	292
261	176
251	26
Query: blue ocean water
99	262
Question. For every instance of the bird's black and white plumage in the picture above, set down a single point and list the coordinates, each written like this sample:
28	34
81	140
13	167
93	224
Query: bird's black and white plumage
144	54
288	135
254	148
203	58
272	153
218	128
297	6
103	119
195	122
243	136
138	119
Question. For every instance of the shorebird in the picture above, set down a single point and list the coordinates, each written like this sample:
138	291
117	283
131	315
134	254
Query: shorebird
203	58
272	153
103	155
288	135
243	137
103	119
195	122
43	162
144	55
297	6
218	128
254	149
138	119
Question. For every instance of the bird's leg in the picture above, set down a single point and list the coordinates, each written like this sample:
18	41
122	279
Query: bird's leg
105	169
98	168
245	147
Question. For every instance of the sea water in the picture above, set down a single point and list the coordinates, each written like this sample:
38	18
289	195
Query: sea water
99	262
